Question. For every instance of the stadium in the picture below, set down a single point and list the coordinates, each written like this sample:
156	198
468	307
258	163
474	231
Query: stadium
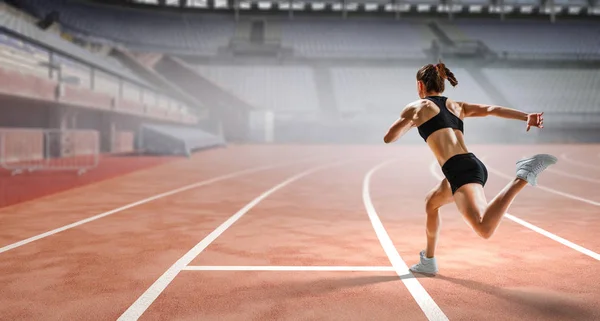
225	160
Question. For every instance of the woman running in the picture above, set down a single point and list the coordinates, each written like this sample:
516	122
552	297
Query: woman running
439	121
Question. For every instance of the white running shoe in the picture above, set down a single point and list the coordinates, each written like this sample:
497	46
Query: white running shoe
426	265
528	169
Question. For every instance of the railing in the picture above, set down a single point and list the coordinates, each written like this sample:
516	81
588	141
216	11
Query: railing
28	150
49	57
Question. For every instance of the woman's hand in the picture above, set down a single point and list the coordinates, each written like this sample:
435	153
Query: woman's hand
535	120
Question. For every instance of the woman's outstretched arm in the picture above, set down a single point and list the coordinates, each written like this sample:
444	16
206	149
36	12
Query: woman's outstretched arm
401	126
479	110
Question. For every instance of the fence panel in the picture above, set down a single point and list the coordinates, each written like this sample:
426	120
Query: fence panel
49	150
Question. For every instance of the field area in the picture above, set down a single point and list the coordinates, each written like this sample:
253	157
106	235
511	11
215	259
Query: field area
304	233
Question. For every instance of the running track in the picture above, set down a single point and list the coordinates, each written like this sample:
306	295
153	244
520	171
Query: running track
303	233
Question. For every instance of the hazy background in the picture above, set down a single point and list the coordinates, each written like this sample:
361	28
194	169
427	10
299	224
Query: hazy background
262	72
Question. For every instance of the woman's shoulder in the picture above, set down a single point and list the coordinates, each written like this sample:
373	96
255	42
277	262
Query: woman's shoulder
419	103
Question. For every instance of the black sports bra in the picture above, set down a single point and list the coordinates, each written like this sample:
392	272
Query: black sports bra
444	119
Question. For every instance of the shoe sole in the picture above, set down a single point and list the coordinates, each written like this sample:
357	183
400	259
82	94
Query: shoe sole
424	273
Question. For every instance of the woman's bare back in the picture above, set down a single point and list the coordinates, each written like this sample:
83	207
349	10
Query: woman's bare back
445	142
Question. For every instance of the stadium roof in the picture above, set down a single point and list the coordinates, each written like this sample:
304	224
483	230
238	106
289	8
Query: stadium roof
499	8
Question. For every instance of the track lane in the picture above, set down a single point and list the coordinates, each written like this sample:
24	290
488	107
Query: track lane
511	276
96	270
319	220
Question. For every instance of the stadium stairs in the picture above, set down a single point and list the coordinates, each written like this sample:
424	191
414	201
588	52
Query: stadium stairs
457	47
143	65
256	38
233	111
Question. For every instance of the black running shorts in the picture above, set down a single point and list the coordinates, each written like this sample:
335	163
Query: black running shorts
463	169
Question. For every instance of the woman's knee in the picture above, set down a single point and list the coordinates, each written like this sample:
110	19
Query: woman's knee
438	197
431	203
434	200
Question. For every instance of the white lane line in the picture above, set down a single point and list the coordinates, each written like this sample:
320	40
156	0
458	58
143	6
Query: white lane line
583	178
146	200
430	308
147	298
554	237
534	228
548	189
578	163
290	268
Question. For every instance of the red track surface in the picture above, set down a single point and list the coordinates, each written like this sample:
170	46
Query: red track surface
97	270
28	186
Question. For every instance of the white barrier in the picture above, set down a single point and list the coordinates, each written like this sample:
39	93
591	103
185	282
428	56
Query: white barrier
31	150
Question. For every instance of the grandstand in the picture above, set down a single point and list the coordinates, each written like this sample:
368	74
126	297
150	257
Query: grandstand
97	89
305	69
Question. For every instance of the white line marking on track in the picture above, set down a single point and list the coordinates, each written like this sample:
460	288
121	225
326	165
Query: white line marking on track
548	189
578	163
430	308
583	178
147	298
291	268
554	237
534	228
146	200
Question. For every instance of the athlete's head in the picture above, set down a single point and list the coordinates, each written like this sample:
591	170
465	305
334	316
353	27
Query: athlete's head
430	79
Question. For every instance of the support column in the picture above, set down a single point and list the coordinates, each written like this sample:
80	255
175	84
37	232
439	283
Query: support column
59	118
269	127
72	120
108	130
325	90
57	143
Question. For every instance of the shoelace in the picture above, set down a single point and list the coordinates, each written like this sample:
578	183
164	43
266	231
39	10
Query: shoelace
539	166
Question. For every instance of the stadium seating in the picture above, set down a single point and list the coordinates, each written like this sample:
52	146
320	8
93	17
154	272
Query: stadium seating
577	3
378	89
16	56
535	38
323	37
206	34
357	88
390	89
25	58
275	88
548	90
519	3
28	59
21	24
364	39
141	28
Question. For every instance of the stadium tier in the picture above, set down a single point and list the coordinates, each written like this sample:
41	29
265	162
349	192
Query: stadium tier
389	89
272	88
550	90
365	39
559	39
28	50
309	70
160	31
326	37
